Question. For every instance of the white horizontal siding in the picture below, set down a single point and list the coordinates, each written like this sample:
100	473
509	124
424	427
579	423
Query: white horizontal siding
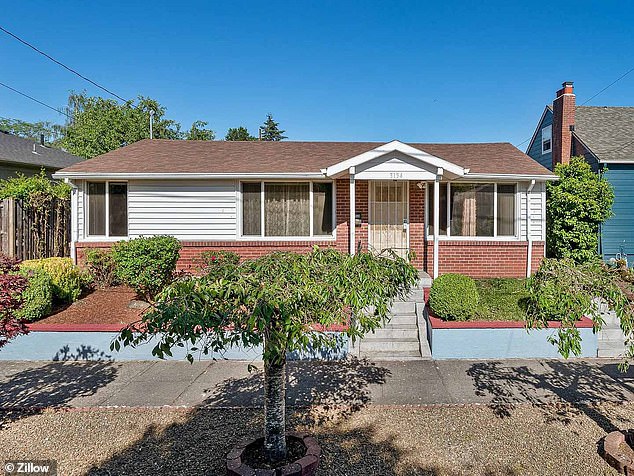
80	209
198	210
536	213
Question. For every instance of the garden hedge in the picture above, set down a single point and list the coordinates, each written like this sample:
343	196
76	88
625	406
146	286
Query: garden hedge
37	298
454	297
68	280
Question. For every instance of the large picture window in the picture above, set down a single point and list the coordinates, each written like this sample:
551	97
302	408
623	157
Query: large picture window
107	209
474	209
287	209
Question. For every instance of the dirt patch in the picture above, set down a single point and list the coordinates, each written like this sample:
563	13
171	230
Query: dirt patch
386	441
102	306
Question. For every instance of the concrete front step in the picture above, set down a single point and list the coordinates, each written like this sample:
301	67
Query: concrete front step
612	334
394	333
391	355
372	344
403	307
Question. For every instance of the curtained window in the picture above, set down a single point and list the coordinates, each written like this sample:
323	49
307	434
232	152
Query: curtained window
506	209
473	210
285	208
107	209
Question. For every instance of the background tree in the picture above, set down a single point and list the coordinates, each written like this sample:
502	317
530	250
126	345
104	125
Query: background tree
238	133
199	132
576	205
31	130
280	301
271	130
100	125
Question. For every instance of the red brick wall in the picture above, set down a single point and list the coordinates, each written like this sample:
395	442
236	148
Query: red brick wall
417	223
484	259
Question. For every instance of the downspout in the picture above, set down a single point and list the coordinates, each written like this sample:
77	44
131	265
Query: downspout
529	236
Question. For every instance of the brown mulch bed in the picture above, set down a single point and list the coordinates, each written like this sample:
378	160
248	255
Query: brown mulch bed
102	306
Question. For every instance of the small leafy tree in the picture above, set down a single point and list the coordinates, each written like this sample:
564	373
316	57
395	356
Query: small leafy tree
565	291
271	130
238	134
199	131
12	285
576	206
280	301
31	130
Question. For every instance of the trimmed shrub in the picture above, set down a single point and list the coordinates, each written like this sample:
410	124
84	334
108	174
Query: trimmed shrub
102	267
454	297
215	264
68	280
146	264
37	298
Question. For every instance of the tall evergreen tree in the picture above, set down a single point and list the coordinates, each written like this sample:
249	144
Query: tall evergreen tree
271	130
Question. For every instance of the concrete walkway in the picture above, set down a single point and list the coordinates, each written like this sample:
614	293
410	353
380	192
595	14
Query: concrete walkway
350	382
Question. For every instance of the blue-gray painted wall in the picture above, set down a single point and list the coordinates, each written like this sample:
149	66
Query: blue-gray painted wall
535	151
503	343
619	230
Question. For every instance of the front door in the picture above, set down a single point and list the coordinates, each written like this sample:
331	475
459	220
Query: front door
388	224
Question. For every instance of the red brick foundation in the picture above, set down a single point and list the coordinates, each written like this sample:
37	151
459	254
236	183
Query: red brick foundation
483	259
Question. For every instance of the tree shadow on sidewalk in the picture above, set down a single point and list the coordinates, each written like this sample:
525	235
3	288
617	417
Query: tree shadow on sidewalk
579	386
53	384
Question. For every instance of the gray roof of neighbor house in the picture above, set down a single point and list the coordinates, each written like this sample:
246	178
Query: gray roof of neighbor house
159	156
27	152
607	131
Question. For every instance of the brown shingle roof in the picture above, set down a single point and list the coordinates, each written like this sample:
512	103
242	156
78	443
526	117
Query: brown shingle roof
168	156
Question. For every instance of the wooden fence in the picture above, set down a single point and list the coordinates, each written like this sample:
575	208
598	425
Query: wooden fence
29	233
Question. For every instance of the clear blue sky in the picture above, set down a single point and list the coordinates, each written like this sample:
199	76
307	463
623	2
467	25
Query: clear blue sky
333	70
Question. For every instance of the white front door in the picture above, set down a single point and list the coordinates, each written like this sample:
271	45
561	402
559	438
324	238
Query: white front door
388	224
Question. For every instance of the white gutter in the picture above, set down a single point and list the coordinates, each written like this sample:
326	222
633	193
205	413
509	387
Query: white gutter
188	175
529	237
509	177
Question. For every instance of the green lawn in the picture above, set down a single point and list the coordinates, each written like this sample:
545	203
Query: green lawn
501	299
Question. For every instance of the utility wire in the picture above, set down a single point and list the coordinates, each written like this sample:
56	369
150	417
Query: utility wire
591	98
61	64
607	87
59	111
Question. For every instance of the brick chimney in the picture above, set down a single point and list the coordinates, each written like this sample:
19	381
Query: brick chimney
563	121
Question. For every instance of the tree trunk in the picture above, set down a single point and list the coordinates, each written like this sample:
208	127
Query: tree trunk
275	410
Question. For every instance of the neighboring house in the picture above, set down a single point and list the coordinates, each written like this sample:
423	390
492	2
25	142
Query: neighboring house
477	209
18	155
605	137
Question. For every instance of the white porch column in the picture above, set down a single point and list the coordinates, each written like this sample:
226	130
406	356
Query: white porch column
351	221
436	218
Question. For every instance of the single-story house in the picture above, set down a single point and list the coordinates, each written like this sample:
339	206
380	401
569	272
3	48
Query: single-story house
604	136
477	209
28	157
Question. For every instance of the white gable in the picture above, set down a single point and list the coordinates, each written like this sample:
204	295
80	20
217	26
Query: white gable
396	158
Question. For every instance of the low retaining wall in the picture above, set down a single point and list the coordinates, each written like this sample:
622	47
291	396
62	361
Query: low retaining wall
79	342
499	340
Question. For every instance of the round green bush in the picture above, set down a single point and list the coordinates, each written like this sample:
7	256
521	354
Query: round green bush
454	297
38	296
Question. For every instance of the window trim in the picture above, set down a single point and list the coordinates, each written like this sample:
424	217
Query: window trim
429	187
311	237
107	236
550	129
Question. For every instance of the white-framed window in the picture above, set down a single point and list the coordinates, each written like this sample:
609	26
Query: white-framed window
547	139
288	209
474	209
107	207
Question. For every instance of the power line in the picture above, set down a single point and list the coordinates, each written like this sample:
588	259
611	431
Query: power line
59	111
608	86
61	64
591	98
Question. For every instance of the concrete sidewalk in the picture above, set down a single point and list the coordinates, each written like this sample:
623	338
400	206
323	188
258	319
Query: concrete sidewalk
351	382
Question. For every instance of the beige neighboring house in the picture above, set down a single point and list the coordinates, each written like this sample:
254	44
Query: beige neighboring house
19	155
